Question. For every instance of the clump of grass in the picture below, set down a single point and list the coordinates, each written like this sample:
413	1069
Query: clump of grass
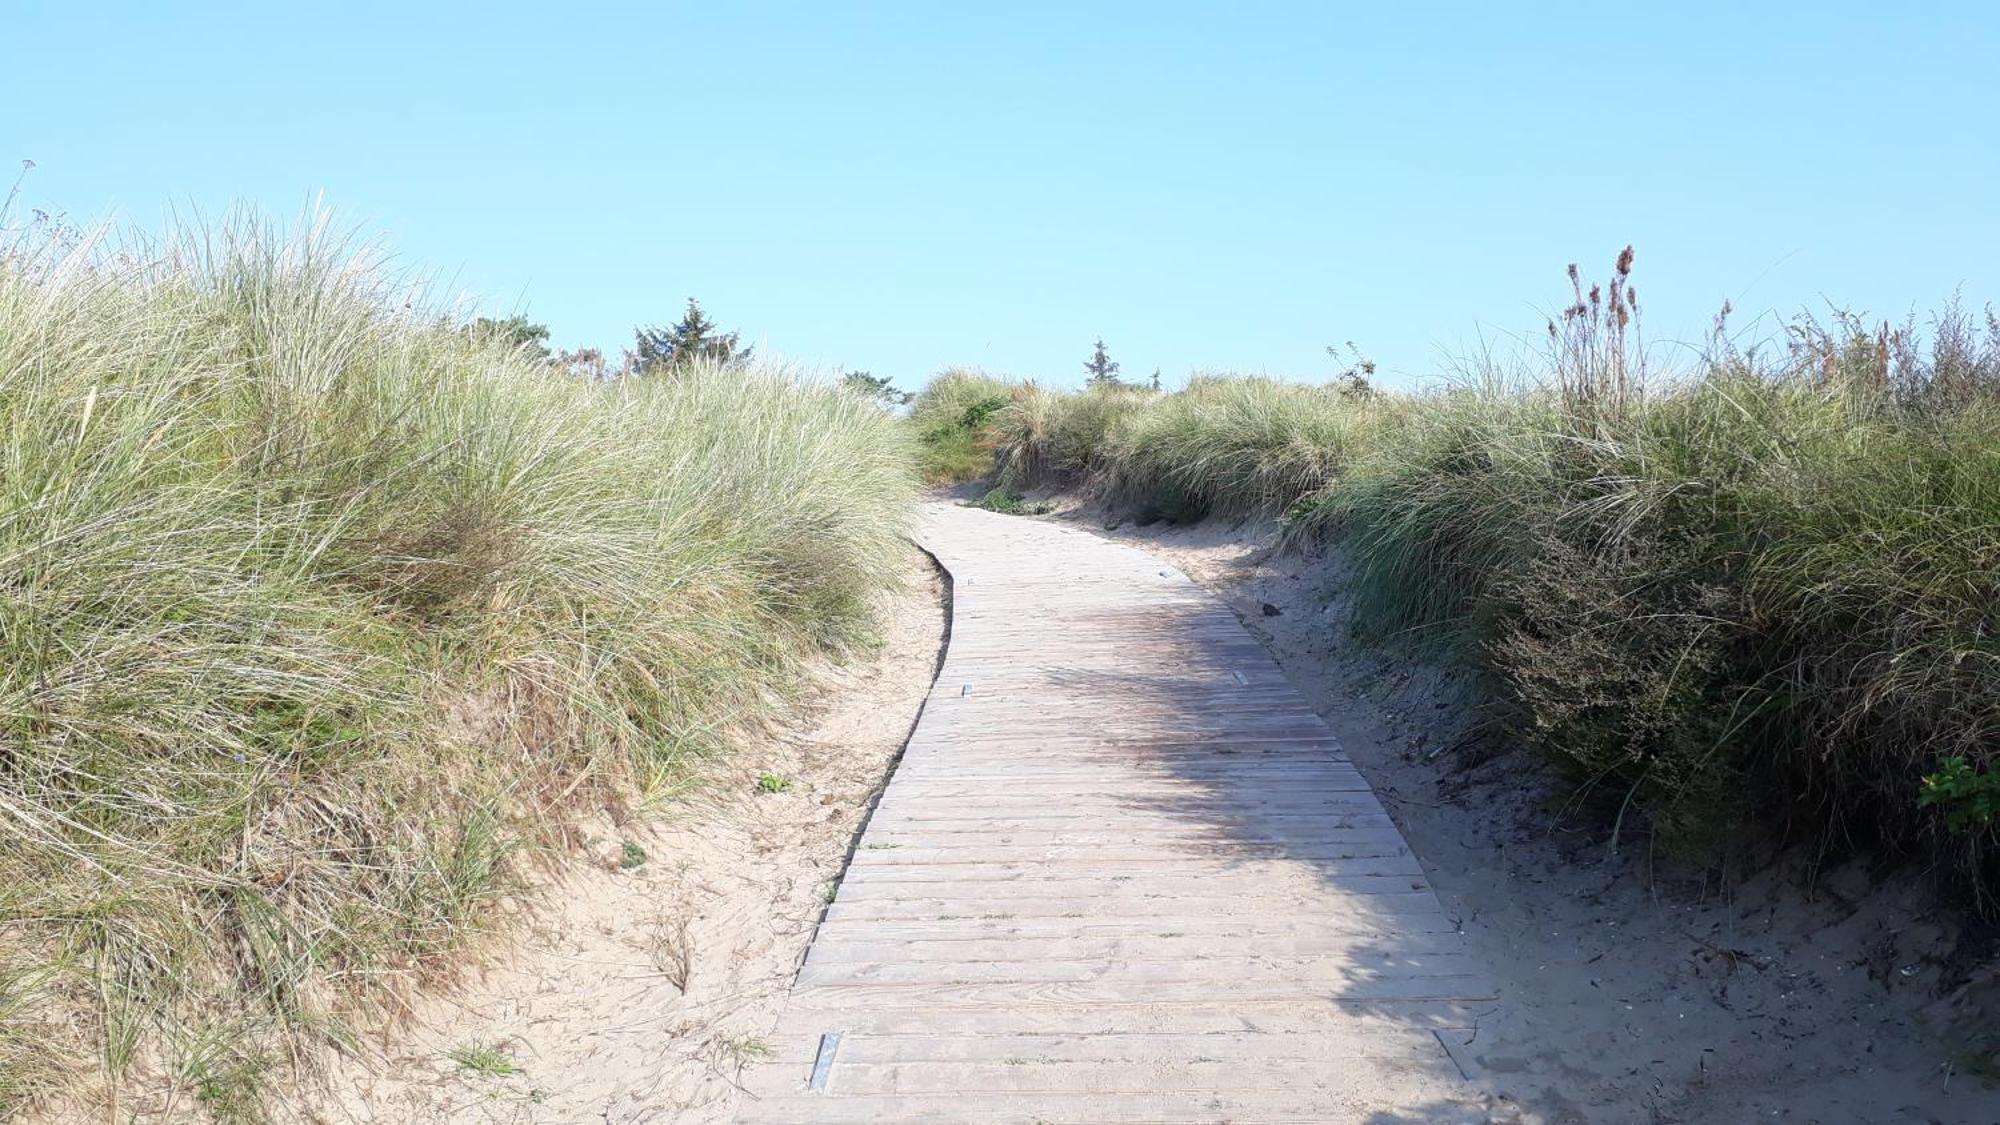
768	782
1046	437
630	856
952	418
1235	446
1008	502
1226	446
747	1048
316	610
483	1059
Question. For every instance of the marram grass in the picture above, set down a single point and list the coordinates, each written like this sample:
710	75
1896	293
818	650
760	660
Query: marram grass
317	614
1747	603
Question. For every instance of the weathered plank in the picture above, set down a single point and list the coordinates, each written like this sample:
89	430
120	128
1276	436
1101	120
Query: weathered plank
1123	873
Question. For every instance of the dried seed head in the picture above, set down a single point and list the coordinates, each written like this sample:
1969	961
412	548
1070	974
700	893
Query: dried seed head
1625	262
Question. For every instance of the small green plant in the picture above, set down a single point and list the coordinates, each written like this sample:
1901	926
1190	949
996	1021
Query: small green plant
1013	504
1969	797
479	1058
631	855
772	783
746	1048
980	412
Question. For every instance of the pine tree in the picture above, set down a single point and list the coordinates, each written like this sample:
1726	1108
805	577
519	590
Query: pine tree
515	332
876	387
1101	368
694	339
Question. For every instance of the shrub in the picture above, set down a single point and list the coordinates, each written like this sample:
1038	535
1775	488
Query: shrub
1237	445
317	610
1759	597
951	417
1047	437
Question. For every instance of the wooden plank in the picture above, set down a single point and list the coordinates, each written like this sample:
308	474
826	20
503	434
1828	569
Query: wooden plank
1357	1040
1005	847
1175	906
837	998
1167	1105
871	867
1157	945
1305	885
1315	828
1319	1018
1096	1076
1385	962
1248	927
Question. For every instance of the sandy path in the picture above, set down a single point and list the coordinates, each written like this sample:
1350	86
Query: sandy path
1635	993
639	992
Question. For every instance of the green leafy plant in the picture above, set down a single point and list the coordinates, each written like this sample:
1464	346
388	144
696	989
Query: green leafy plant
1969	797
1012	503
772	783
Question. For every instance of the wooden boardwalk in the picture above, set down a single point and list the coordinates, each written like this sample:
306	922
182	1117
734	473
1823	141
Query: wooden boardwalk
1123	873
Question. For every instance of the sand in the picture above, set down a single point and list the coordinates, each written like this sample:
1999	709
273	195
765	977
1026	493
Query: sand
1632	991
637	992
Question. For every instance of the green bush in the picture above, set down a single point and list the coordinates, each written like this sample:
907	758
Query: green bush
1055	438
316	610
1237	445
1761	597
1224	445
952	418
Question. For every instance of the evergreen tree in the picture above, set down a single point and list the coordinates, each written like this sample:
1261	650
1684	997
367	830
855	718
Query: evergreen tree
876	387
1102	369
694	339
515	332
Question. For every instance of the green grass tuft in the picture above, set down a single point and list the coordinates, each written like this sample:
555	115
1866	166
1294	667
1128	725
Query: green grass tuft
481	1059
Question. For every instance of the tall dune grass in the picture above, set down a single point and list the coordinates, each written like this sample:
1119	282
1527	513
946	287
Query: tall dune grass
952	420
1762	597
316	614
1752	601
1222	445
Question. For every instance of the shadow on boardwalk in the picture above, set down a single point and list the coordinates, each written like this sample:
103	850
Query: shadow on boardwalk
1123	872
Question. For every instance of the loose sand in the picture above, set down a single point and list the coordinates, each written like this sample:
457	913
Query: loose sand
635	994
1631	993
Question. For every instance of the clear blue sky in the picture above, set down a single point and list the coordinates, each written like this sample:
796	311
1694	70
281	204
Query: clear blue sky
897	187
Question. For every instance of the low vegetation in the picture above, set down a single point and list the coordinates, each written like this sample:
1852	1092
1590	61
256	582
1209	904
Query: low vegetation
1751	601
319	611
951	419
